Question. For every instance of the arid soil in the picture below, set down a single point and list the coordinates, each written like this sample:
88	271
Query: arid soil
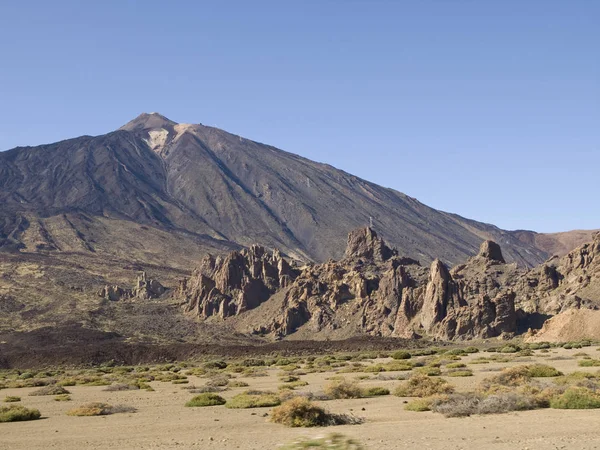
162	421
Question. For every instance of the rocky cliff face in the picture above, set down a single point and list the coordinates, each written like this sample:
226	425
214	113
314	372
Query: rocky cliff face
371	290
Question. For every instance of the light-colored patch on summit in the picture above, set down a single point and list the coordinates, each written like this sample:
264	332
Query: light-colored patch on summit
157	139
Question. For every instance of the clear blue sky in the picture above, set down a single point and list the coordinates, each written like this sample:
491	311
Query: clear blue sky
486	108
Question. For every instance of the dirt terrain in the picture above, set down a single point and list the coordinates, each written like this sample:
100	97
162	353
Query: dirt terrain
162	421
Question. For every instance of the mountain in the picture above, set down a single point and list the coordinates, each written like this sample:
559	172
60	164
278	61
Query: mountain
155	188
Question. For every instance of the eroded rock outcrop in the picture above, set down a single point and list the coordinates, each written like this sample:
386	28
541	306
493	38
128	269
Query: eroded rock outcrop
560	284
239	282
145	288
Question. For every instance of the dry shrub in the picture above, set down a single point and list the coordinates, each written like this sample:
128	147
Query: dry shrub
420	385
50	390
11	399
99	409
121	387
204	389
218	380
466	404
300	412
343	390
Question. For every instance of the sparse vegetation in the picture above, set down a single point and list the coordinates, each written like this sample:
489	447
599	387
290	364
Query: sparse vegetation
11	399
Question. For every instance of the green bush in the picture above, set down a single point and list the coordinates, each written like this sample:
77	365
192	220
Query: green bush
11	399
401	354
253	399
455	365
459	373
588	363
206	399
542	370
419	405
375	391
17	413
576	398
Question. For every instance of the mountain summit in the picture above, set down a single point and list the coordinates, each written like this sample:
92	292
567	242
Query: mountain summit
147	121
204	189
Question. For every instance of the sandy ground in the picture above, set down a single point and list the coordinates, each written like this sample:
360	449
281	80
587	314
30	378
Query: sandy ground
162	422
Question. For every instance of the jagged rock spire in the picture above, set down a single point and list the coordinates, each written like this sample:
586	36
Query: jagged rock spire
364	243
491	251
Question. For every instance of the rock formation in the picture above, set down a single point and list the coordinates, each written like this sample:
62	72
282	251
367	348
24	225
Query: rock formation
240	281
559	284
371	290
145	288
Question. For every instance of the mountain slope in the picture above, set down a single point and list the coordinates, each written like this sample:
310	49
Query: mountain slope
216	191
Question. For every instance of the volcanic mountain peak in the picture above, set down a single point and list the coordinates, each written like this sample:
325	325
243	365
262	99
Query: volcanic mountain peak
148	121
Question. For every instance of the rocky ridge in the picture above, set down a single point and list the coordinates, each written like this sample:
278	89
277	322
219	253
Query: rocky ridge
372	290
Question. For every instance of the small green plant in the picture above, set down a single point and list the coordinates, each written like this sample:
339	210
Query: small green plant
62	398
17	413
11	399
206	399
